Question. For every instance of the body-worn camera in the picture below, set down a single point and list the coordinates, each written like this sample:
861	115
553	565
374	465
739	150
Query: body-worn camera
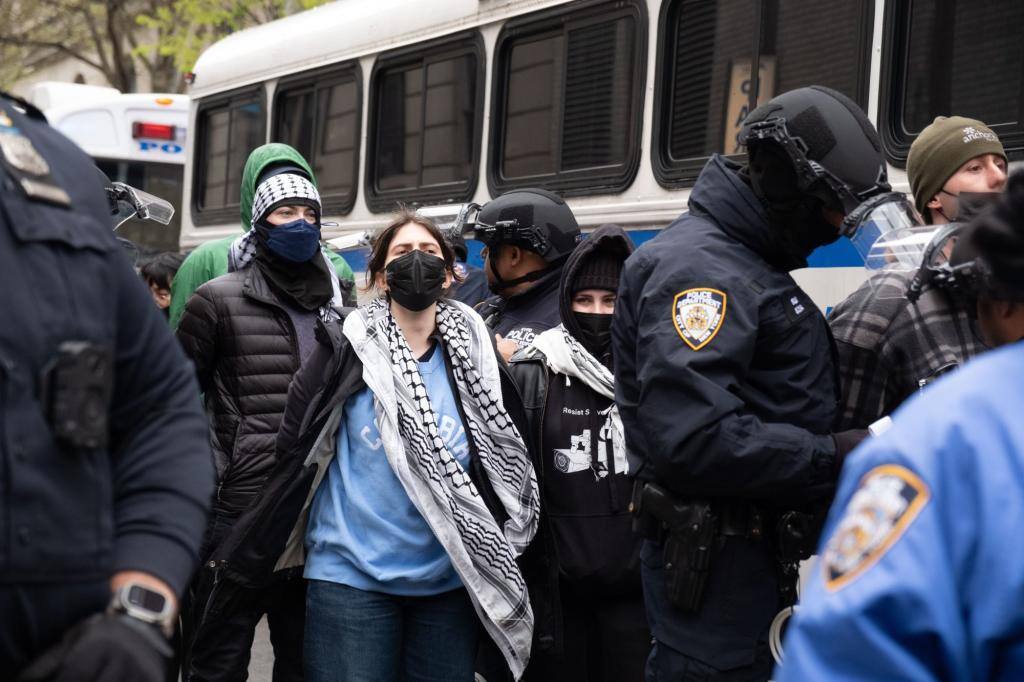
75	390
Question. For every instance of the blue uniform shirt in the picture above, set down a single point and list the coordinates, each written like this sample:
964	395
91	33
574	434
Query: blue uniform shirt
364	530
922	573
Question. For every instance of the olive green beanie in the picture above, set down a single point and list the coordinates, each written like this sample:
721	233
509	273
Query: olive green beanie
939	151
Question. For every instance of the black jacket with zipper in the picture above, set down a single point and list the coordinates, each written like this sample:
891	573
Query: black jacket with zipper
244	346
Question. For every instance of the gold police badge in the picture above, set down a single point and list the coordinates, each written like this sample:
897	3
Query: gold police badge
698	315
887	501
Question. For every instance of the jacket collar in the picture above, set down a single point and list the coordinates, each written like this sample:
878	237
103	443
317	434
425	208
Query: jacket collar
256	287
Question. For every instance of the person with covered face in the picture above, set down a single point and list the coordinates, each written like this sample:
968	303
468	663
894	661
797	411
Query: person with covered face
404	491
726	386
247	332
209	260
889	347
584	567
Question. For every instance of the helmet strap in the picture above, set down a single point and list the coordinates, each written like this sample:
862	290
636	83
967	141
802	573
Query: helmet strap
501	284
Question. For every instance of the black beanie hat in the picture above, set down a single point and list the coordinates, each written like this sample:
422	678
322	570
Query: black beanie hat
600	271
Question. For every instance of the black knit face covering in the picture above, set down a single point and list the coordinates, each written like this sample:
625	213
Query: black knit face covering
595	332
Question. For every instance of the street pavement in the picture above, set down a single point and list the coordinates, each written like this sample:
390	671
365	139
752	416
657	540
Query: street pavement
261	665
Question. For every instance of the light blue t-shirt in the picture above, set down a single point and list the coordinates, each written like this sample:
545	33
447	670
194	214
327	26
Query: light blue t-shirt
363	529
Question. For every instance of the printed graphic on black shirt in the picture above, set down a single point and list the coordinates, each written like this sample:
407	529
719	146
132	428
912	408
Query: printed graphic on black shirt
579	433
579	456
586	491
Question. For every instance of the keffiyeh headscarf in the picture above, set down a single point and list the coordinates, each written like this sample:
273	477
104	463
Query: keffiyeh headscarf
284	189
482	553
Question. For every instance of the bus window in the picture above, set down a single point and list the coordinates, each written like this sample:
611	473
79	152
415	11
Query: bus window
703	85
227	131
424	126
320	116
567	100
951	57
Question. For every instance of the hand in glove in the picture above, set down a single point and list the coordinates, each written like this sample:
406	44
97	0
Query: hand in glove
104	648
846	441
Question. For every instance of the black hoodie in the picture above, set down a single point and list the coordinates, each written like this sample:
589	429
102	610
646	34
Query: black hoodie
586	540
586	491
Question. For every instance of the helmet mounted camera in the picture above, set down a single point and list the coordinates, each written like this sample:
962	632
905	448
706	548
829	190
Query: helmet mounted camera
811	176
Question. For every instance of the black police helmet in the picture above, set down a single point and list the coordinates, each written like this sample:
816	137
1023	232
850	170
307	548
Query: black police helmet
830	143
534	219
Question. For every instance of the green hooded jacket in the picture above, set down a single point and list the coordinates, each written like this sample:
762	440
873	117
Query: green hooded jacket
210	259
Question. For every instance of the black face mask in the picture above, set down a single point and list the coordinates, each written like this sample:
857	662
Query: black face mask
415	280
795	214
801	227
596	330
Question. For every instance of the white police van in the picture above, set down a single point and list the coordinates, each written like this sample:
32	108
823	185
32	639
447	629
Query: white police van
136	138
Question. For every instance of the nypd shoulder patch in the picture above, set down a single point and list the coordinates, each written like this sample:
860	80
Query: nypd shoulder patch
886	502
698	315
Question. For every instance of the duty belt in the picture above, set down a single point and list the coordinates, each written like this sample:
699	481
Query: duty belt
740	519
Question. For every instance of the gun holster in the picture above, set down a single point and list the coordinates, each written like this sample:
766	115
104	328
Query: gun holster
796	535
687	530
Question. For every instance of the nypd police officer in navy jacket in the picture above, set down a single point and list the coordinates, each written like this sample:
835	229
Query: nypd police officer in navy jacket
105	464
726	383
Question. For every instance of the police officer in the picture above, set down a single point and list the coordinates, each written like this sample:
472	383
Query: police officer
105	467
528	234
727	387
922	574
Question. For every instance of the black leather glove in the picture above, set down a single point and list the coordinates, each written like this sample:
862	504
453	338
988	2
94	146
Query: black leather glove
846	441
104	648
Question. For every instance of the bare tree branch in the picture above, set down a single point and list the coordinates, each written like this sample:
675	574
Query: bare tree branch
60	47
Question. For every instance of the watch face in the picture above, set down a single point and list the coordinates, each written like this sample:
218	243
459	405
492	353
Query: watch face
146	599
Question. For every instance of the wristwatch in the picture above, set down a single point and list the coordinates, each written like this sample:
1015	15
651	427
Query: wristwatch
145	604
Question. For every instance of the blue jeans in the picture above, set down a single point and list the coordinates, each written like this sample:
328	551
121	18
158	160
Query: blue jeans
359	636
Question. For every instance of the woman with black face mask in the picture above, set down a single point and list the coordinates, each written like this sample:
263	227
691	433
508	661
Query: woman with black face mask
404	492
583	567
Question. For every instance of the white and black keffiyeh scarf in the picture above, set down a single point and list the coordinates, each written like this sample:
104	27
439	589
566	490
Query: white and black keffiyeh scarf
565	355
283	189
482	553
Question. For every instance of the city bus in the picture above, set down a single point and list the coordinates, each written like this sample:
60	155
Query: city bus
615	104
139	139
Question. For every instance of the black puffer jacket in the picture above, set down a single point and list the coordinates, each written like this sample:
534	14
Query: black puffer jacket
245	349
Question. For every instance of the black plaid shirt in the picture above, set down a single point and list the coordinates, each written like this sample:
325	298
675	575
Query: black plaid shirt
889	347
